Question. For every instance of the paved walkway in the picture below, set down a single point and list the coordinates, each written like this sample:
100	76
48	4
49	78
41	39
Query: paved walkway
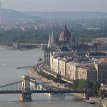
104	102
58	85
35	74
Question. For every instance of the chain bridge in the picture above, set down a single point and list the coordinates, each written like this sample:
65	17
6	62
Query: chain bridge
26	86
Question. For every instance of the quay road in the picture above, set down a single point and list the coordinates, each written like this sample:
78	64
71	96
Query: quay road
39	67
50	84
43	80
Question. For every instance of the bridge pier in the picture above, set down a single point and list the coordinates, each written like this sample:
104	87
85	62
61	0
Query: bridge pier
25	87
86	96
26	97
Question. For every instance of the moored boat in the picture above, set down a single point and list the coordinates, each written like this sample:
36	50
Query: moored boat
90	101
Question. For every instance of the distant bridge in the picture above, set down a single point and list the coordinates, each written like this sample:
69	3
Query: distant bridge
28	45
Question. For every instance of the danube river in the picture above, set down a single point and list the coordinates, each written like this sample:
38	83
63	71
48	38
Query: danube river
9	61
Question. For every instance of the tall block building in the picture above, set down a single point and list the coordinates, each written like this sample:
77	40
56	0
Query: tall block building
101	66
71	69
88	73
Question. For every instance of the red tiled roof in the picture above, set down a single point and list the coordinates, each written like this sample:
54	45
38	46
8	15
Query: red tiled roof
102	60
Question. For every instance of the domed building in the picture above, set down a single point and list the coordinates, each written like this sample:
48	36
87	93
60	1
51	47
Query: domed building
65	36
61	37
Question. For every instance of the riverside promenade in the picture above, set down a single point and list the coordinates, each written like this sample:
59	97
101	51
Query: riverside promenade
33	72
104	102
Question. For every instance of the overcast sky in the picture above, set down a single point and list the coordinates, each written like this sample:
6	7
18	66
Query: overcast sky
56	5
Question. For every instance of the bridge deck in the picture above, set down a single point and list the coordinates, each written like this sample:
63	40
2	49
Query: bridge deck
11	92
40	91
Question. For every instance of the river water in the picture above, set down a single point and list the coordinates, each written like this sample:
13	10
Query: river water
10	59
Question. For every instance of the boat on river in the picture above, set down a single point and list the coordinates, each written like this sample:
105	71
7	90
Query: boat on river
20	50
39	59
90	101
23	67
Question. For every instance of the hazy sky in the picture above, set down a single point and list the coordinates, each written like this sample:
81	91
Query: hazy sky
56	5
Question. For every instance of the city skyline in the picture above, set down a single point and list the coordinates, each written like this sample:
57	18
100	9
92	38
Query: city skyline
56	5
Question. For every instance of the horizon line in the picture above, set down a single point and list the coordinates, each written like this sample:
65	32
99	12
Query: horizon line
57	11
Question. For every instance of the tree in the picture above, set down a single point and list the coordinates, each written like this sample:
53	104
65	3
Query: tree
96	87
58	78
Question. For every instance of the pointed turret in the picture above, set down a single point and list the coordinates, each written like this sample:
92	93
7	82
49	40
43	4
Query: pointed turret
49	41
52	38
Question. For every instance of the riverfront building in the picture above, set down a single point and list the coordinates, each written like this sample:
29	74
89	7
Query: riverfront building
75	61
73	70
101	66
62	66
47	55
88	73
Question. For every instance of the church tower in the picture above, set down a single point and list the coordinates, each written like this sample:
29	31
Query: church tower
65	37
51	40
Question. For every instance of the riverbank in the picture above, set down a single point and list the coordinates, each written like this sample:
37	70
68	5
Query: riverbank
36	75
104	103
59	85
98	101
5	46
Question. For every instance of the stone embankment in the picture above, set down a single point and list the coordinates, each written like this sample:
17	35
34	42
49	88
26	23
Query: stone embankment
59	85
35	74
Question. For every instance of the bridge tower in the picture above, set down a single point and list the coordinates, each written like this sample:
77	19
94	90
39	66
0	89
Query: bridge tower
25	87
